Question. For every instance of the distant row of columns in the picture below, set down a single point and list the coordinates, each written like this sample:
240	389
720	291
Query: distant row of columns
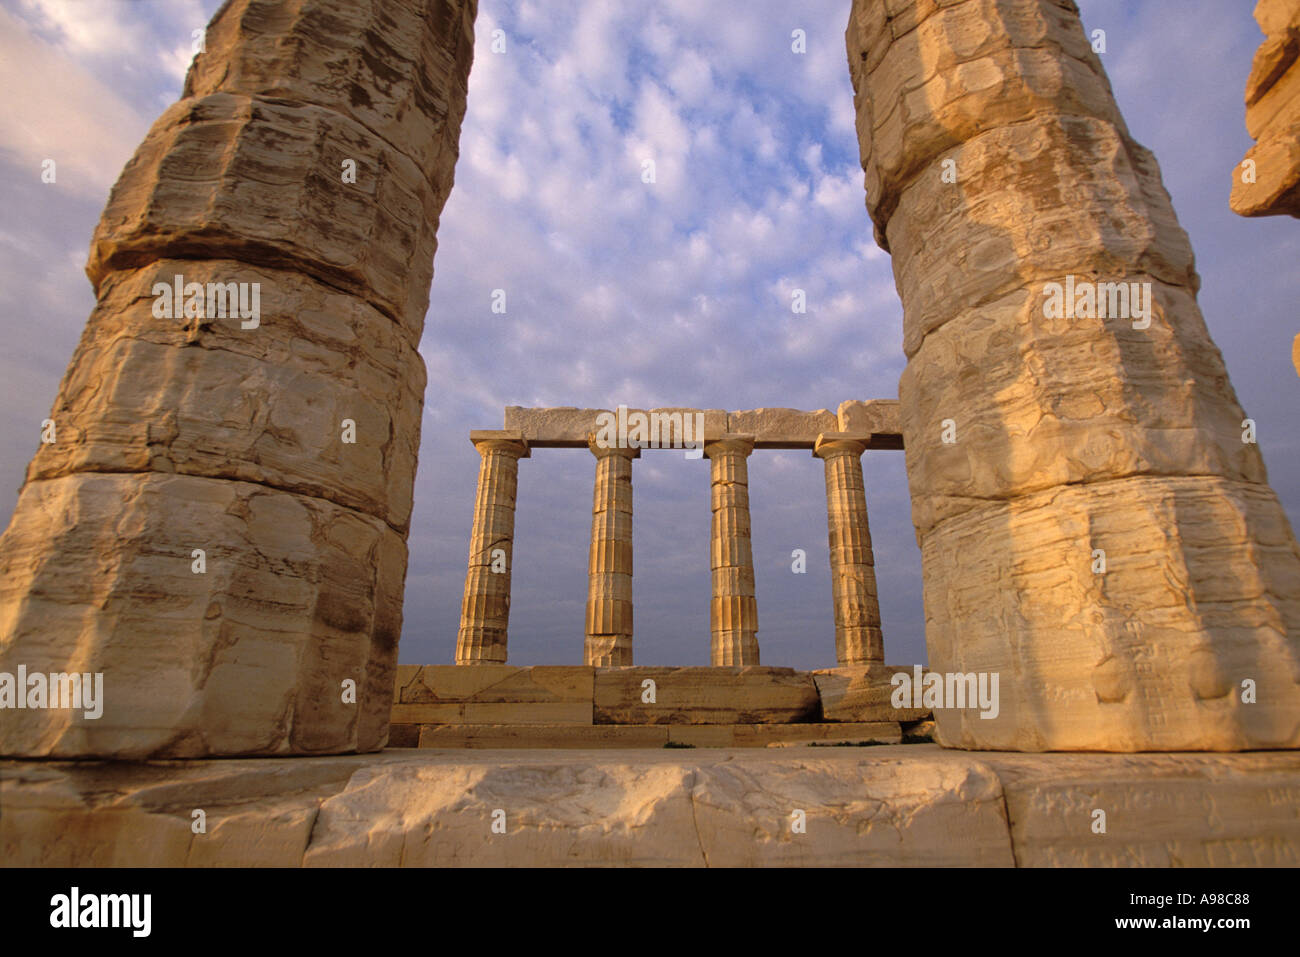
733	608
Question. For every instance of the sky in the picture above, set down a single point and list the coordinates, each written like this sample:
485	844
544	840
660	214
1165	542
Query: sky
671	293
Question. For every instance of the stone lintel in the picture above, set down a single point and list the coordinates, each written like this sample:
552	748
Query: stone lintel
877	418
567	427
774	428
782	428
564	427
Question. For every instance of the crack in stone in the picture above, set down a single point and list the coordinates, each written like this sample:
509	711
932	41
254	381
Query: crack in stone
1011	831
695	776
311	833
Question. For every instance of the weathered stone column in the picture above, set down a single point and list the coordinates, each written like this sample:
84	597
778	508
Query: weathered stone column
609	573
733	611
858	639
219	526
1267	180
485	609
1093	527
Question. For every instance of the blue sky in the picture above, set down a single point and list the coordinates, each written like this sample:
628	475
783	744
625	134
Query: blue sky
618	291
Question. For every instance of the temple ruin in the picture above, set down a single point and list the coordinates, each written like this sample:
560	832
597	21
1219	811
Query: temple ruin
1095	524
726	439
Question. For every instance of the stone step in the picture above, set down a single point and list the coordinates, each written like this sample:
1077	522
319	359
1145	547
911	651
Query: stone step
493	694
722	696
566	736
580	695
889	806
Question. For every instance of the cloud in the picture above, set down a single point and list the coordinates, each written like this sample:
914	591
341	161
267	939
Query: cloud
57	109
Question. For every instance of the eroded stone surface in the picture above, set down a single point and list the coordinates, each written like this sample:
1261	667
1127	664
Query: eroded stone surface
876	420
782	428
482	637
883	806
250	656
551	736
717	695
863	694
494	694
609	569
310	154
1267	180
228	176
775	428
266	405
1093	527
858	638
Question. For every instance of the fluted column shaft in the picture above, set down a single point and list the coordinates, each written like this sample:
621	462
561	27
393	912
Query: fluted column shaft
858	639
609	573
485	609
733	610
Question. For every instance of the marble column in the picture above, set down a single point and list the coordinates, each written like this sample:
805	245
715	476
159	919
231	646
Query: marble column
733	611
485	609
1094	516
858	639
217	519
609	573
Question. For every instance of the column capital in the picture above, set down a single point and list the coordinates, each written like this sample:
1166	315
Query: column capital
840	443
510	441
600	451
741	442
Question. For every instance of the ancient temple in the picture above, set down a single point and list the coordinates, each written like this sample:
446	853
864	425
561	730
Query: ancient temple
726	439
1095	522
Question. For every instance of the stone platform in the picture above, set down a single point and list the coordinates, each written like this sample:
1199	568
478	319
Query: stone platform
562	706
878	806
642	735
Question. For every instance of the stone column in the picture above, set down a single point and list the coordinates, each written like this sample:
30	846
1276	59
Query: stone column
733	611
219	526
1095	521
858	639
485	609
1267	180
609	573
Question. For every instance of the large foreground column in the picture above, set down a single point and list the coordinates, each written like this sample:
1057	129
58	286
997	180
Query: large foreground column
1093	527
609	573
219	526
858	639
733	611
485	608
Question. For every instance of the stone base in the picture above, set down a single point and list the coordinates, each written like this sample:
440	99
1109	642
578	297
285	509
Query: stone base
862	694
886	806
646	735
488	697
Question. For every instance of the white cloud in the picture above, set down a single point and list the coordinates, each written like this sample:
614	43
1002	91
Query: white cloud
57	109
